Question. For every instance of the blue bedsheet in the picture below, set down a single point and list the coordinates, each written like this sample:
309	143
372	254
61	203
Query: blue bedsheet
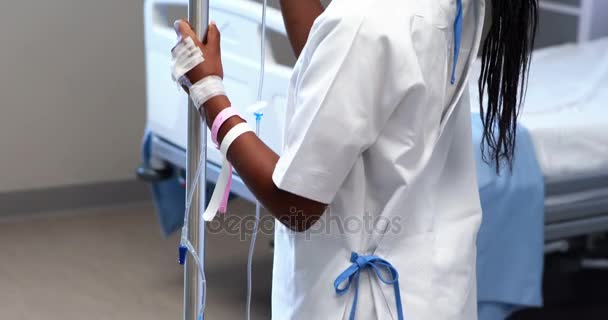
511	239
169	196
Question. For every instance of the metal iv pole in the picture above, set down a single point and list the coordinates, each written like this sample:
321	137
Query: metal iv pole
198	16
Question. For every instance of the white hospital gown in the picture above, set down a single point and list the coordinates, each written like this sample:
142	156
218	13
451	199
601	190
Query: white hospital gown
375	129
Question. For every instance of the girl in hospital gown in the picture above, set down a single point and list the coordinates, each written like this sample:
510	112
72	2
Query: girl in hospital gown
375	192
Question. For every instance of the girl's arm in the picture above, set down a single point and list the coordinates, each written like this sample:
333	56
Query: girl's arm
255	163
252	159
299	16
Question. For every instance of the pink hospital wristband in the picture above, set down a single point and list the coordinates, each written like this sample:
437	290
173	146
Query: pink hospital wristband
220	119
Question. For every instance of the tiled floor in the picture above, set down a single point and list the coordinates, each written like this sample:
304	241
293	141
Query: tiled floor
113	264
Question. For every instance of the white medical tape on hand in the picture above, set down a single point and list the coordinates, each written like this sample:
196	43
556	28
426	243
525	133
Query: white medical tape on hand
186	55
224	178
205	89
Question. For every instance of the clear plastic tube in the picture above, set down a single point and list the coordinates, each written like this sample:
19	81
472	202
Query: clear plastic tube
184	242
262	51
258	118
254	235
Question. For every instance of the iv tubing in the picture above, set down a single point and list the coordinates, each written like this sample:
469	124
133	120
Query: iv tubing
185	243
258	118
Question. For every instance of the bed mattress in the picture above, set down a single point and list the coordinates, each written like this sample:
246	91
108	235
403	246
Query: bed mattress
566	112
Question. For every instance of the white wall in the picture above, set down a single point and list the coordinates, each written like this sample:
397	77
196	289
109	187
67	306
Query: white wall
72	99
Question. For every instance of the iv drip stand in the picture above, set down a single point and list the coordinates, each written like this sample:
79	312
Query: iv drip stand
198	16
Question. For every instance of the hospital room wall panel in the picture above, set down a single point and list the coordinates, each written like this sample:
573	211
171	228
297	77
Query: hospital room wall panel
556	28
599	27
72	92
567	2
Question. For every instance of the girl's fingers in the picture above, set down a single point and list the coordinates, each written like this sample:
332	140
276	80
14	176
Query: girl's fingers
213	37
182	28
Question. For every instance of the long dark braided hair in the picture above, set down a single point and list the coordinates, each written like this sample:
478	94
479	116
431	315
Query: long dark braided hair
505	62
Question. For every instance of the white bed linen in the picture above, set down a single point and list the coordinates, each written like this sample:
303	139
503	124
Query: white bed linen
566	110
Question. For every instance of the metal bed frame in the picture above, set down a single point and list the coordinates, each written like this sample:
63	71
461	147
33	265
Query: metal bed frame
567	214
564	219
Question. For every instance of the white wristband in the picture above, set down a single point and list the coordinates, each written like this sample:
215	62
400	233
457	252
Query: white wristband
225	173
218	192
185	56
232	135
205	89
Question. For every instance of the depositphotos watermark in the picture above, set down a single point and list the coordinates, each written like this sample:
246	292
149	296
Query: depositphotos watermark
235	224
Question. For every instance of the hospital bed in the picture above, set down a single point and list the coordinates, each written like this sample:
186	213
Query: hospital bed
566	113
567	119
